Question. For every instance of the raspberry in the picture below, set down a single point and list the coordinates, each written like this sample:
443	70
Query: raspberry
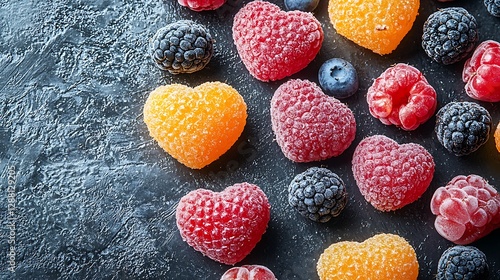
318	194
383	256
462	127
402	96
224	226
390	175
497	137
195	125
249	272
338	78
182	47
467	209
202	5
493	7
482	72
364	23
450	35
274	44
462	262
310	125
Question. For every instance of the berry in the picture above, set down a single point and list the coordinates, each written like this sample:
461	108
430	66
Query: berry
462	262
402	96
383	256
493	7
390	175
450	35
249	272
274	44
365	24
467	209
497	137
301	5
308	124
195	125
318	194
182	47
202	5
338	78
482	72
462	127
224	226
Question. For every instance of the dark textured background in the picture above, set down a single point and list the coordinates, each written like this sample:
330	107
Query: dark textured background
95	196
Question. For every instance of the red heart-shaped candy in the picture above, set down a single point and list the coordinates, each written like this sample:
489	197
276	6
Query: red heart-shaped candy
274	44
224	226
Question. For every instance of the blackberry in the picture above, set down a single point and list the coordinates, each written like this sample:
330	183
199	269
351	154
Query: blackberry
450	35
318	194
182	47
493	7
463	127
462	262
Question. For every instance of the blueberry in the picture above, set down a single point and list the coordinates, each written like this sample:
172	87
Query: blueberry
338	78
301	5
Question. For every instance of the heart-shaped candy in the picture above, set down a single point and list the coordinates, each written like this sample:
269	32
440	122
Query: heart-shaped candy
383	256
310	125
274	44
390	175
195	125
224	226
378	25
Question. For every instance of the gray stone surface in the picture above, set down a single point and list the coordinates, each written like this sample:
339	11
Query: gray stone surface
95	196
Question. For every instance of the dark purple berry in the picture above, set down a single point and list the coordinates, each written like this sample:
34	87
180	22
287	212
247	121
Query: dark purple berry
318	194
182	47
462	262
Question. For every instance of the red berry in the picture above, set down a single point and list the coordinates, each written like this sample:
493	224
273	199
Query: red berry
274	44
390	175
482	72
224	226
402	96
467	209
202	5
310	125
249	272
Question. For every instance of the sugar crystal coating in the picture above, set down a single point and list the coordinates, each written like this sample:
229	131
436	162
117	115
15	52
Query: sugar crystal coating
183	46
225	226
481	73
390	175
195	125
383	256
497	137
463	127
318	194
308	124
493	7
449	35
274	44
466	209
202	5
462	262
249	272
376	25
402	96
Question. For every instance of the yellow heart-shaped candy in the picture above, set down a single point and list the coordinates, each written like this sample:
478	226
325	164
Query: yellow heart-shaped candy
195	125
381	257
